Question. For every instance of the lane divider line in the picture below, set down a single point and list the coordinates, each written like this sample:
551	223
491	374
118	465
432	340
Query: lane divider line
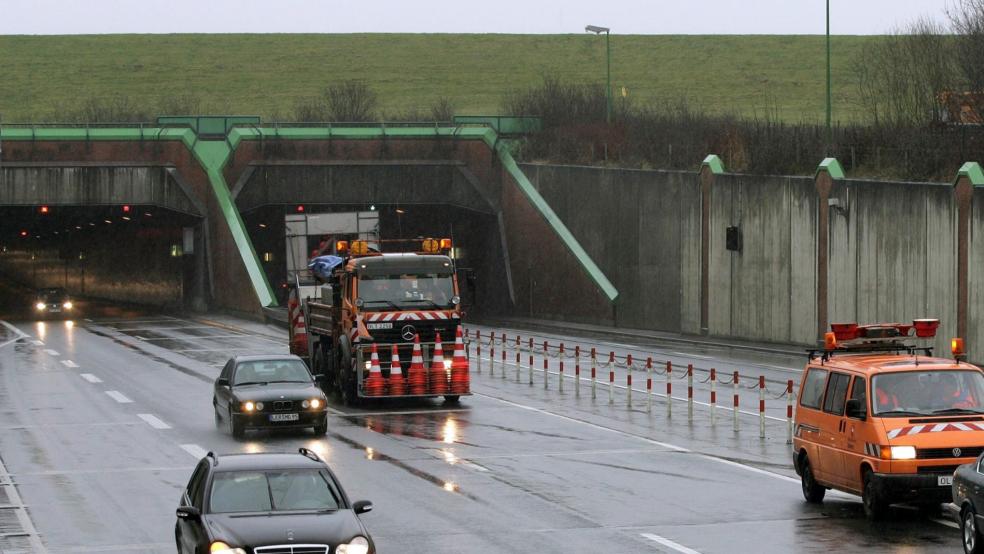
154	421
20	334
69	363
51	352
119	397
37	342
197	451
90	378
669	544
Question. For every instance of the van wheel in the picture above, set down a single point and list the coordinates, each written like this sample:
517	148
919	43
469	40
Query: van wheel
971	534
812	491
875	506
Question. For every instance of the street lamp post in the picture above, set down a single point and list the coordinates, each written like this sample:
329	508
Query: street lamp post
830	135
608	48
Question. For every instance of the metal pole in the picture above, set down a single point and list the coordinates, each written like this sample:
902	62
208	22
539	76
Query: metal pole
669	390
546	366
531	361
830	137
519	363
789	412
628	380
734	406
594	371
478	349
611	378
561	387
690	392
608	90
761	407
649	385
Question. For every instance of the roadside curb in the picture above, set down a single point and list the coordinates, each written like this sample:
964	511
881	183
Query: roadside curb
228	327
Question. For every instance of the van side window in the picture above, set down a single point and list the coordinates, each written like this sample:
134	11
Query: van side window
836	393
859	391
812	393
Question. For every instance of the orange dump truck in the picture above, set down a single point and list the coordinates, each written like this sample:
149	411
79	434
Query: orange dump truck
385	323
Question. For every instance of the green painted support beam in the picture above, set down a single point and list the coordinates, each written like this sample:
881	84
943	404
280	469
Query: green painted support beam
714	163
972	171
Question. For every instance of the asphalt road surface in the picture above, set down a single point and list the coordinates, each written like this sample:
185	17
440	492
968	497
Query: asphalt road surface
103	418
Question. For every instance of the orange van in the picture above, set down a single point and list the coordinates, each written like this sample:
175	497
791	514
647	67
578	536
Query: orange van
880	417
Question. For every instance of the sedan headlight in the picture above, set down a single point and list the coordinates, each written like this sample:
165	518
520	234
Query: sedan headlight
315	403
219	547
67	305
903	452
39	306
259	406
358	545
248	406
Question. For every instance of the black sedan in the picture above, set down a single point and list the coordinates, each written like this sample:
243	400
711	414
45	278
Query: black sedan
968	496
255	392
53	302
269	503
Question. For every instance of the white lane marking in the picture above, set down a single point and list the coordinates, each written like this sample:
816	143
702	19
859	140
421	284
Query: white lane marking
20	334
687	355
473	466
186	337
89	320
51	352
90	378
37	342
154	421
119	397
197	451
224	349
69	363
669	544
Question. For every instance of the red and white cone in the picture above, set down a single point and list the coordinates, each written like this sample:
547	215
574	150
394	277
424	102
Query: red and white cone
438	373
417	375
374	384
460	380
397	386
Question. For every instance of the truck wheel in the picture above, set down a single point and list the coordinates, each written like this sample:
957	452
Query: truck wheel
875	506
813	492
321	368
237	429
347	385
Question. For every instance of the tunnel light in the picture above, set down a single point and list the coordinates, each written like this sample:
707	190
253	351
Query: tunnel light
44	209
268	256
175	250
92	224
401	211
300	208
79	227
126	209
148	214
262	225
372	208
107	222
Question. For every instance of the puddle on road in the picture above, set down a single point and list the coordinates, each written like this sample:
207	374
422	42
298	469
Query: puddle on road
438	427
374	455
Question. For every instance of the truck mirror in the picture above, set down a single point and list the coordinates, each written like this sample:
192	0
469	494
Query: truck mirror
856	410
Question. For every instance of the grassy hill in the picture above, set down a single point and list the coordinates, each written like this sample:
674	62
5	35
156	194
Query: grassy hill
44	77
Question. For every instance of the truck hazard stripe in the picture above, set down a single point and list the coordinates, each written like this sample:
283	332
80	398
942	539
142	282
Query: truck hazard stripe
938	428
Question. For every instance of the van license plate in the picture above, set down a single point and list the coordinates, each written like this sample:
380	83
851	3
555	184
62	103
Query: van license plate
944	480
293	417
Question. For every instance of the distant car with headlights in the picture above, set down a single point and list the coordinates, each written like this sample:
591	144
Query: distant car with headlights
269	503
274	391
53	302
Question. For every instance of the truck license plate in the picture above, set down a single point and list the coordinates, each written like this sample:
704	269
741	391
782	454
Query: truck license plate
944	480
290	417
386	325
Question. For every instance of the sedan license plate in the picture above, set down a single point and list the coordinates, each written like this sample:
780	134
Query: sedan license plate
287	417
944	480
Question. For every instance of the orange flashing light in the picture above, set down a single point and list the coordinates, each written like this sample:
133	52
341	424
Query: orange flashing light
360	247
829	341
445	244
957	347
341	246
431	246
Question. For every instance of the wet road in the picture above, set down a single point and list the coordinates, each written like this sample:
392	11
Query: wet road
102	421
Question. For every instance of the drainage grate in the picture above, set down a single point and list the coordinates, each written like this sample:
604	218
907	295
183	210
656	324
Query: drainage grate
9	522
15	544
4	496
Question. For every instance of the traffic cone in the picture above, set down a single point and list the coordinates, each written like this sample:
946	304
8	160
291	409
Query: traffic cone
397	386
417	375
374	384
459	367
438	373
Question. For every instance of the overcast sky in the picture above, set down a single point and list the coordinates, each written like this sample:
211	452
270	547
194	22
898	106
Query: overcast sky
459	16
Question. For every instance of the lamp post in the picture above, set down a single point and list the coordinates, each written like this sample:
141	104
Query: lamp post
608	47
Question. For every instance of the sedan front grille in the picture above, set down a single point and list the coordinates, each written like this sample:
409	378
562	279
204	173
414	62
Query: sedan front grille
293	549
283	405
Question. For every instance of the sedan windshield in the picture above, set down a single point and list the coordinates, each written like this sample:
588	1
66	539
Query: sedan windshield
406	292
273	491
931	392
272	371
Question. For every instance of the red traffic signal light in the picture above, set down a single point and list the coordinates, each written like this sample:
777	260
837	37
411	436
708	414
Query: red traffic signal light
23	233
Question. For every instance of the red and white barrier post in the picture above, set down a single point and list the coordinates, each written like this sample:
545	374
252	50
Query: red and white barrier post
669	389
649	385
714	397
611	378
531	361
492	354
734	407
789	412
561	387
577	371
505	345
594	373
519	364
690	392
478	348
546	365
628	380
761	406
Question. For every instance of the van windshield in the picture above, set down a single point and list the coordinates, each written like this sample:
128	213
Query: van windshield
926	393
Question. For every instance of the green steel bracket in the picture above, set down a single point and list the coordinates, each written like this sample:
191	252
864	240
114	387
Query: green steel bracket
972	171
832	167
714	163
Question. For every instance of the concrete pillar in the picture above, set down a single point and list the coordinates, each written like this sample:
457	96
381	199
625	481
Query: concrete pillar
827	173
968	177
711	166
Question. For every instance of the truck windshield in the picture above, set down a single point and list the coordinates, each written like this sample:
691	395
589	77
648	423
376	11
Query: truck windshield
924	393
406	291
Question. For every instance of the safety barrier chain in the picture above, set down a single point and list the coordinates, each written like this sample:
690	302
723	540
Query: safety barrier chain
498	346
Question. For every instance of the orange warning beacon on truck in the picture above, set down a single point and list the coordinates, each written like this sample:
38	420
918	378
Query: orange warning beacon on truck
880	417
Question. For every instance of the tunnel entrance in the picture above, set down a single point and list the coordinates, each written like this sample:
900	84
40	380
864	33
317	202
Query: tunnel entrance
477	246
129	254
